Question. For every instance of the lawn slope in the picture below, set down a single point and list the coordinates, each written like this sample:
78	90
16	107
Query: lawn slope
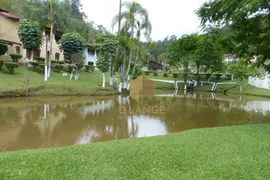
239	152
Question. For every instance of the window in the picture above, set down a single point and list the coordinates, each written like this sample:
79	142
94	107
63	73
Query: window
18	50
57	56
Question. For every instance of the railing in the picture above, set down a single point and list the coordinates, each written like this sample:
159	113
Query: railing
260	82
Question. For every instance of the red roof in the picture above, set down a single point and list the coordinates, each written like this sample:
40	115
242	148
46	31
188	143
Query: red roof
8	14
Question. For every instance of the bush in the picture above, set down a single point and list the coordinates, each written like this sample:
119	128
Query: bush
147	72
58	67
15	57
175	75
3	49
54	62
87	68
34	63
208	75
185	75
11	66
218	76
71	67
40	59
165	74
41	65
155	73
61	62
1	63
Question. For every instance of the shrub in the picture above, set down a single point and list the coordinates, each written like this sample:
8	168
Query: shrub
11	66
87	68
1	63
34	63
155	73
3	49
165	74
61	62
54	62
92	68
58	67
71	67
185	75
208	75
218	76
41	65
175	75
15	57
40	59
147	72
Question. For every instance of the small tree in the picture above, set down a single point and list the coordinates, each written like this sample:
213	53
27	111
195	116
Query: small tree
103	65
3	49
11	66
108	45
72	43
31	35
15	57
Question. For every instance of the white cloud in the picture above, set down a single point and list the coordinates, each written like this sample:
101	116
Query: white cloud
169	17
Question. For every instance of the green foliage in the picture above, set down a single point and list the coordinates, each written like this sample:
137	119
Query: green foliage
34	63
147	72
72	43
89	68
58	67
30	34
107	44
175	75
71	67
155	73
41	65
103	63
241	69
61	62
165	74
3	49
53	61
1	63
15	57
159	49
248	22
11	66
39	59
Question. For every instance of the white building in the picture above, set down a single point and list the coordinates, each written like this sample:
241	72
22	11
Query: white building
90	55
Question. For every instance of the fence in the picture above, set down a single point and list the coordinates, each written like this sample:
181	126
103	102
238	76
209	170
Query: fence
260	82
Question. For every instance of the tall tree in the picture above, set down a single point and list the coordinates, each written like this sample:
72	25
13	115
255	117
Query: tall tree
30	34
248	20
108	45
129	20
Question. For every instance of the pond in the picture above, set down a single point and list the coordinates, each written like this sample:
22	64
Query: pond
41	122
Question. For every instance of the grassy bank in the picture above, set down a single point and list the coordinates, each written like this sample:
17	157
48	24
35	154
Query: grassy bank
17	84
239	152
232	89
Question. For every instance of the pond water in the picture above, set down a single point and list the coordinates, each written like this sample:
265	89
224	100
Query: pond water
41	122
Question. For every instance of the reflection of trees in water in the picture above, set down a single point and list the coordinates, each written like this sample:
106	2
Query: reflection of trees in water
70	123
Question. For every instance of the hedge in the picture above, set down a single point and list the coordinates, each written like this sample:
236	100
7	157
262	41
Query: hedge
11	66
15	57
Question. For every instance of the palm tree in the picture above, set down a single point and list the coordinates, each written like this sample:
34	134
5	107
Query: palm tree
134	18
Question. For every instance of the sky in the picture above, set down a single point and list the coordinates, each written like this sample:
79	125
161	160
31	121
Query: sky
168	17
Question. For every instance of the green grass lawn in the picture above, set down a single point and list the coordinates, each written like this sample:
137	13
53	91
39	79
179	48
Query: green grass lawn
88	83
238	152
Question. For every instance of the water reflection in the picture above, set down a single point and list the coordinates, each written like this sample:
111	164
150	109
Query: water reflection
36	123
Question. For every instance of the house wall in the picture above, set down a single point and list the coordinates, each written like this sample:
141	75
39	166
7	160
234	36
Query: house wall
8	32
89	57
